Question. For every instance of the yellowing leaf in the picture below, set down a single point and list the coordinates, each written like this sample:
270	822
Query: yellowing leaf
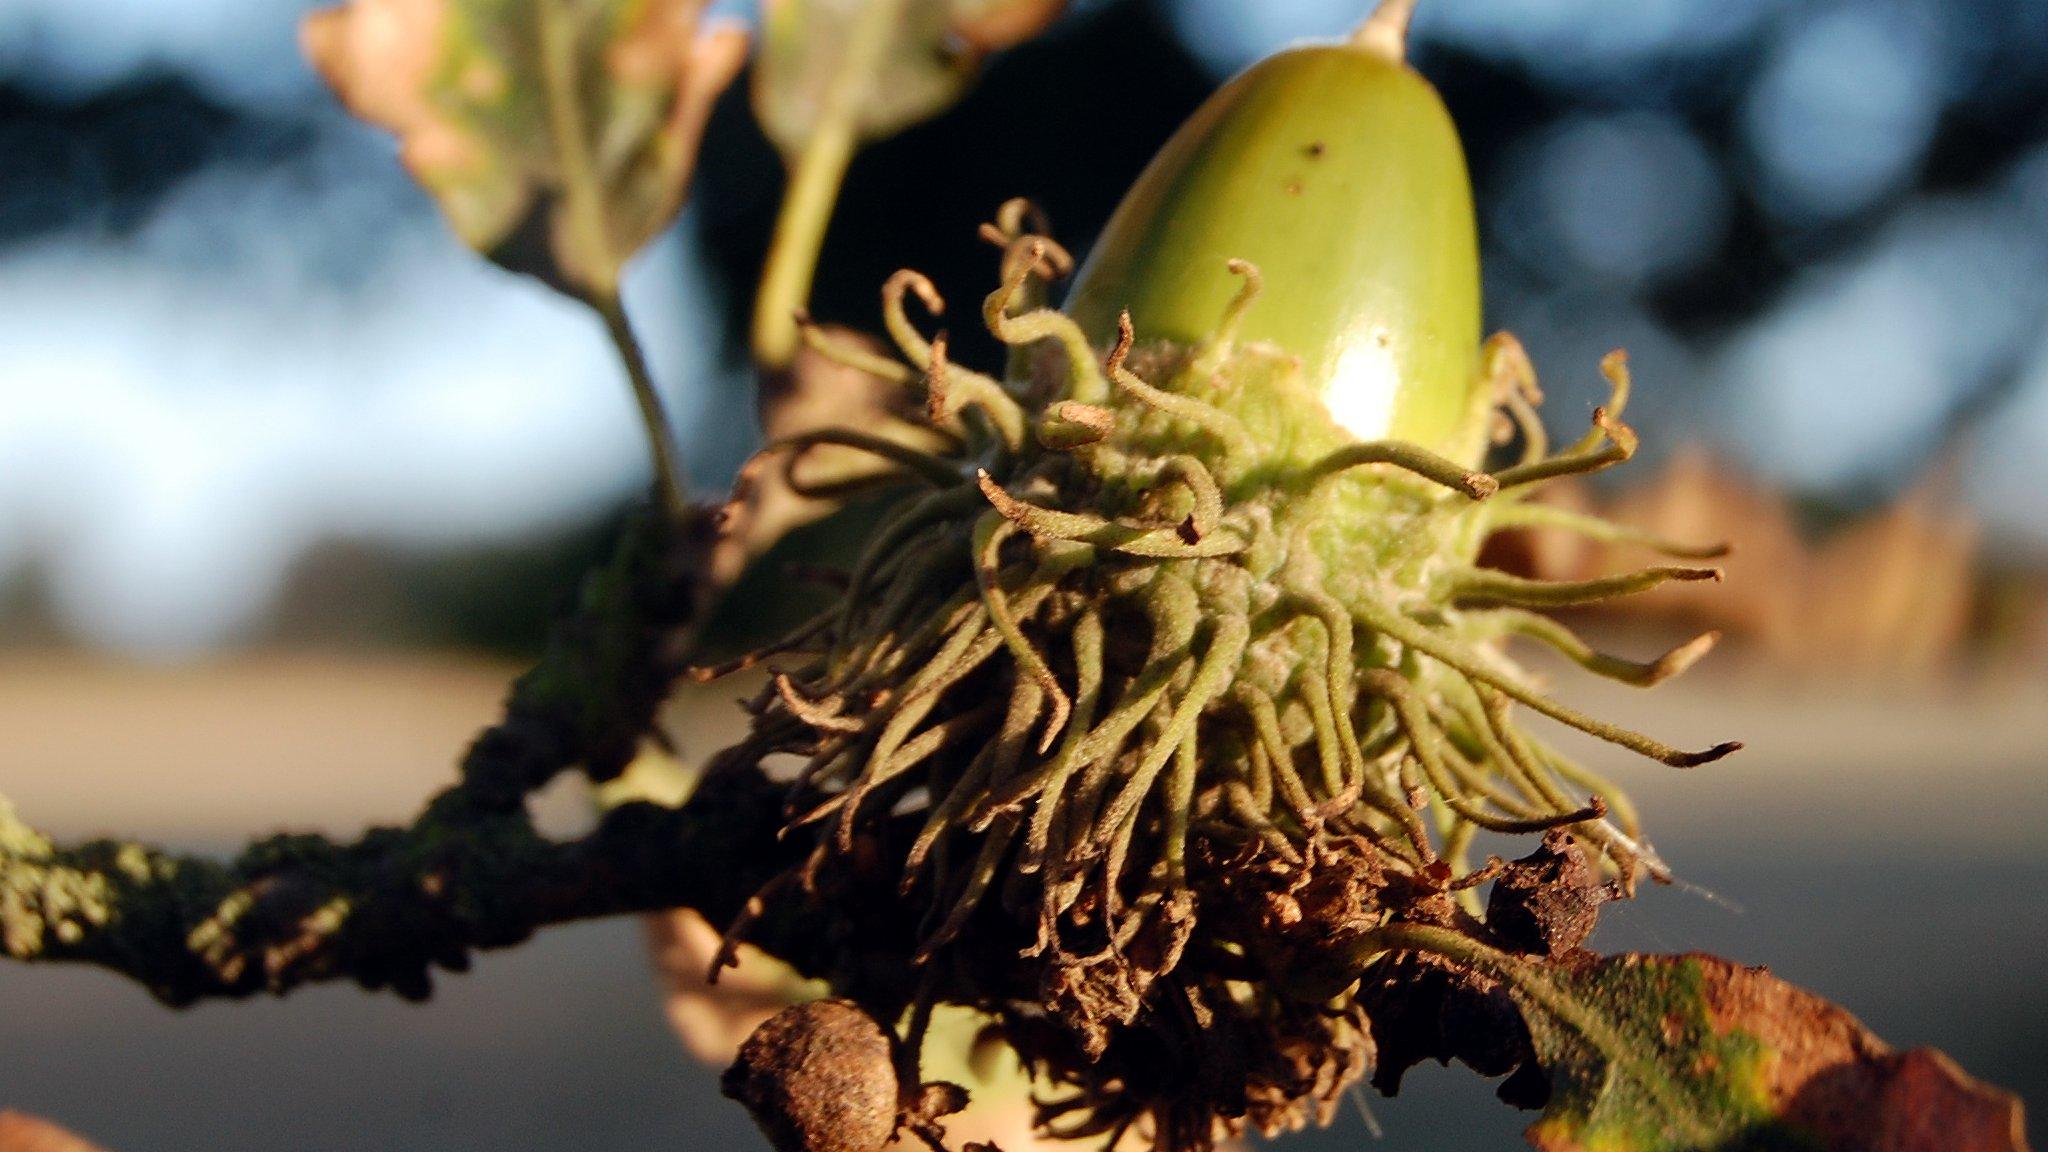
1694	1053
882	64
558	135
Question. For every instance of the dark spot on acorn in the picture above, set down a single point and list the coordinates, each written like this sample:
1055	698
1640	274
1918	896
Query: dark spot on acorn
1315	149
1548	902
818	1077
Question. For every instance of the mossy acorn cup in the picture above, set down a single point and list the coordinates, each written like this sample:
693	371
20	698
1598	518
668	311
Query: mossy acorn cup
1168	675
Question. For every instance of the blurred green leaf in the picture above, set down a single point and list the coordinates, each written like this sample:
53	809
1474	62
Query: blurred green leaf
829	60
558	135
833	74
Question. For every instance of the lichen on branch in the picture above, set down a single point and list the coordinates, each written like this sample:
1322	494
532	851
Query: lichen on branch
471	872
383	910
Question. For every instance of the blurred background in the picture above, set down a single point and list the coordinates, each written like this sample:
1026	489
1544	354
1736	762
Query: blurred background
290	482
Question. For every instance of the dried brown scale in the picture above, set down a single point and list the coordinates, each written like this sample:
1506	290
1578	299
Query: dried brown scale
1145	718
1425	1007
1548	901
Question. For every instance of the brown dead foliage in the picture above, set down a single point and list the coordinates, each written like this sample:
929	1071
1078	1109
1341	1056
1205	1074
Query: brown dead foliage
1892	593
1424	1007
21	1132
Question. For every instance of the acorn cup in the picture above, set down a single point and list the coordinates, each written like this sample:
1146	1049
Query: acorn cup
1167	675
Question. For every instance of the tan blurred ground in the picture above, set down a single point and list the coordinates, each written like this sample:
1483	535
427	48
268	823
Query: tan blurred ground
1825	826
221	750
237	745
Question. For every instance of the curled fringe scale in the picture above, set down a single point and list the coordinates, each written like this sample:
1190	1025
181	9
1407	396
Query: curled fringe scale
1072	656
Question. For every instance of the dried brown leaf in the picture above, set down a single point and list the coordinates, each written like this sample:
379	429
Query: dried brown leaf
770	529
21	1132
1888	594
992	25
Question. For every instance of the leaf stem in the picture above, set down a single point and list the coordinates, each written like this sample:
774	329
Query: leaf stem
595	276
671	486
1454	945
813	189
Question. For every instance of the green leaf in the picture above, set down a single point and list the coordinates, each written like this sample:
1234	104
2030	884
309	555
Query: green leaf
1694	1053
833	74
557	135
882	64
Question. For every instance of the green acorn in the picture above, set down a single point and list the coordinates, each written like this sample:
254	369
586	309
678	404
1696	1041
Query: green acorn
1335	169
1171	674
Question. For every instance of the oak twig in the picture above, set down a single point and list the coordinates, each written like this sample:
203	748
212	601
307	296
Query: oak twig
471	872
